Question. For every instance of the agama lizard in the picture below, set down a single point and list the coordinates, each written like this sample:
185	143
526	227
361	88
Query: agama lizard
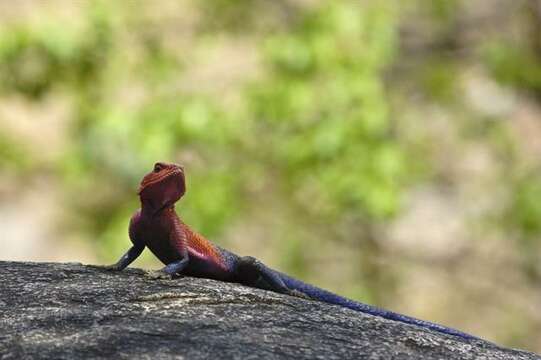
157	226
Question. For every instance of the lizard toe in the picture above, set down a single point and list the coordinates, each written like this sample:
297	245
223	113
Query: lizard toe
158	275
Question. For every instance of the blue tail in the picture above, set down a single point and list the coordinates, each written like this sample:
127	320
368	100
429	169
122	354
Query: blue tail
330	298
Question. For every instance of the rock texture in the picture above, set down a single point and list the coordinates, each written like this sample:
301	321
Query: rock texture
72	311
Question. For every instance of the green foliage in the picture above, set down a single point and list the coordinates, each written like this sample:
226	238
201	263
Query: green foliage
526	207
514	65
440	80
323	109
232	15
36	58
13	156
522	220
443	9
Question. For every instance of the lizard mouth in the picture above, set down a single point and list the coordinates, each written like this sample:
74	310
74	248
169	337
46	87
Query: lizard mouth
154	178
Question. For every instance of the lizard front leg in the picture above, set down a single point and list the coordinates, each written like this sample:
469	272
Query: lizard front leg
132	254
126	259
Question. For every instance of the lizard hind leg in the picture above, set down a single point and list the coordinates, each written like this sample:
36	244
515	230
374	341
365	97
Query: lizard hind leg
252	272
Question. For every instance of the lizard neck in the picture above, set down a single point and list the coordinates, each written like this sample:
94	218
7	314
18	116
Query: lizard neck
150	212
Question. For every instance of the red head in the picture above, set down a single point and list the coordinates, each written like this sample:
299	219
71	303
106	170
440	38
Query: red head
162	187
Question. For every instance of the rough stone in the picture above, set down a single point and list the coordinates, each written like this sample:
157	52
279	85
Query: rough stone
72	311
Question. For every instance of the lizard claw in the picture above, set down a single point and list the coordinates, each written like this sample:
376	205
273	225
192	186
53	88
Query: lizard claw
158	274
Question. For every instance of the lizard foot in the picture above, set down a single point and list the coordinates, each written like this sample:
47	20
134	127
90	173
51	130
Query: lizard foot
158	274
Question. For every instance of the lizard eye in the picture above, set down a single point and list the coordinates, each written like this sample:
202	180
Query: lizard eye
157	167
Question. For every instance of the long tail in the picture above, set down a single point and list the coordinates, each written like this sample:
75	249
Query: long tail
330	298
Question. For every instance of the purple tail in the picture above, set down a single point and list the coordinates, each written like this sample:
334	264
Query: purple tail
330	298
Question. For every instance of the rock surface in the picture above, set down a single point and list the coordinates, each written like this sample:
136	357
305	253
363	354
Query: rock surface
72	311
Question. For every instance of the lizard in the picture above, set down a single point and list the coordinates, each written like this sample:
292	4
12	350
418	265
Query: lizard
157	226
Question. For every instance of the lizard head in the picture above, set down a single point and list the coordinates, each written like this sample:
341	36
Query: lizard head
162	187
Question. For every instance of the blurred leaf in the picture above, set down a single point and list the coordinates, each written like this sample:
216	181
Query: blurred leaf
514	65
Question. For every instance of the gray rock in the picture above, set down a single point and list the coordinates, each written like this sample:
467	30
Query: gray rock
71	311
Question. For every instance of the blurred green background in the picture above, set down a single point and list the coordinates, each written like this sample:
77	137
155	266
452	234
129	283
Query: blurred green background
388	151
